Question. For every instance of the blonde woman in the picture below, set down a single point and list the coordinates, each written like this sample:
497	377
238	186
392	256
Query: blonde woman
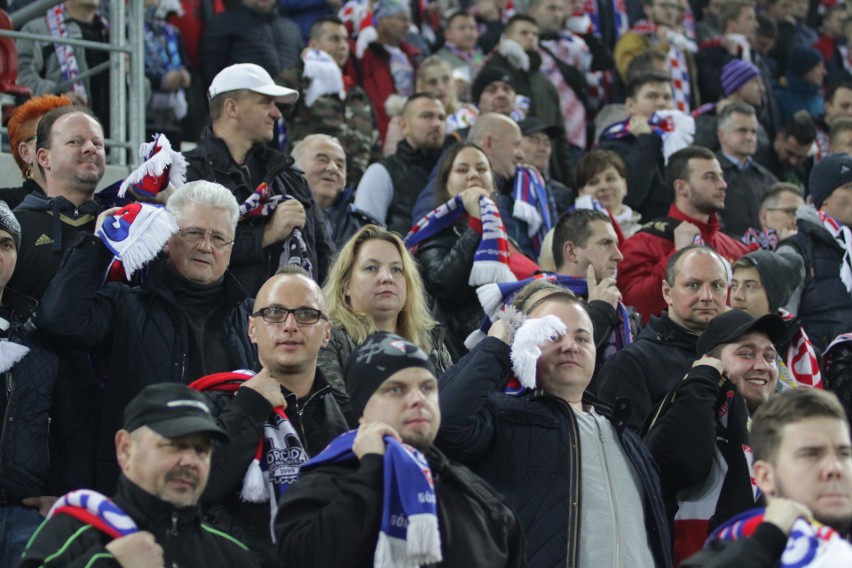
374	285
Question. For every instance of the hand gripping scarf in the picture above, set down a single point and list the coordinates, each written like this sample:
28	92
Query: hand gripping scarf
810	543
275	466
408	534
135	235
491	260
94	509
161	166
261	203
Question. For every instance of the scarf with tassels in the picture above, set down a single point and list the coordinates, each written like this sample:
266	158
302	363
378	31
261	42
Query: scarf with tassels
495	297
261	203
491	260
161	166
99	511
843	237
275	466
529	193
135	235
408	534
810	543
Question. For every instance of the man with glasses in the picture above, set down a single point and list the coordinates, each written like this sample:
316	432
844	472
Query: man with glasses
188	319
289	326
778	209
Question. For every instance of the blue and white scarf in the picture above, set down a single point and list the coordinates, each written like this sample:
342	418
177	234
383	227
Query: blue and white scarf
531	204
94	509
408	534
491	260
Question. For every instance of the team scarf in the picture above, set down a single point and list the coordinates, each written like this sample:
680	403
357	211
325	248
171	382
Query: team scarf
275	466
491	260
408	534
495	297
261	203
135	234
676	57
473	58
569	48
676	128
619	9
843	236
766	240
162	46
529	193
99	511
55	18
829	351
810	543
800	363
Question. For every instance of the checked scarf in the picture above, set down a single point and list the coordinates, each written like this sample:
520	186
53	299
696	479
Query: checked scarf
676	56
279	455
491	260
94	509
408	534
529	193
495	297
810	543
261	203
800	364
843	236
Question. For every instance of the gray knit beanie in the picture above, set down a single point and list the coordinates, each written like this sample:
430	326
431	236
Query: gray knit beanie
779	274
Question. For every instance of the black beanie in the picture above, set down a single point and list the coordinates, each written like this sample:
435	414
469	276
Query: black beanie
374	361
486	76
779	274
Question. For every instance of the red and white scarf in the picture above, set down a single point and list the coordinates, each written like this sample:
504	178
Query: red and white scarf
569	48
678	67
800	363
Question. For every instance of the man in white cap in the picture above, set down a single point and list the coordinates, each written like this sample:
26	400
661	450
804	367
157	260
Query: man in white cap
233	151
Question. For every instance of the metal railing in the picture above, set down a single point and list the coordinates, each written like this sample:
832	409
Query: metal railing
127	110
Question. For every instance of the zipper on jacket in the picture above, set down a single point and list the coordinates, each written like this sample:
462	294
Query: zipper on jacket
9	383
300	410
171	533
610	494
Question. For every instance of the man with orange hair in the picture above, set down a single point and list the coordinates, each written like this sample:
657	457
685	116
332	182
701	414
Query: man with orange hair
22	139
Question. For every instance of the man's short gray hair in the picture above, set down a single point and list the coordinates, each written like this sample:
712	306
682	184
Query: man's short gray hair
299	149
205	193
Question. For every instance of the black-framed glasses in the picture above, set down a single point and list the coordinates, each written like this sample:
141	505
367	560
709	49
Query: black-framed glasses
277	314
195	236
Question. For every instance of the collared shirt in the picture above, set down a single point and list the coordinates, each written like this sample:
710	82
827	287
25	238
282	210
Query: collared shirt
741	165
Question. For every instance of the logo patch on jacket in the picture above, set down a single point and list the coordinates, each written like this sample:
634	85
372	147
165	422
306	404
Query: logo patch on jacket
43	240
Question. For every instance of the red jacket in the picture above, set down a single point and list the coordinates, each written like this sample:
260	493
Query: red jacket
378	81
641	273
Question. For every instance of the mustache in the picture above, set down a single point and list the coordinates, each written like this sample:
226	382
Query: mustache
183	474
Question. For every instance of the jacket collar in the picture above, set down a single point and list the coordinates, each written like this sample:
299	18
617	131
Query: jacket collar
157	283
152	513
710	227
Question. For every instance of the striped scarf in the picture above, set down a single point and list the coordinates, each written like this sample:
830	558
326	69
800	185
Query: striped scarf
261	203
800	363
55	18
99	511
529	193
810	543
491	260
571	49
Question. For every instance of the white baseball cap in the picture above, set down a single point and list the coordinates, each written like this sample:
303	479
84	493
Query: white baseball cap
250	77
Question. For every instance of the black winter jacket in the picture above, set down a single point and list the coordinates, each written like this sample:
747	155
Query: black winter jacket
528	448
647	369
446	261
319	419
141	331
250	262
643	156
331	517
409	171
187	542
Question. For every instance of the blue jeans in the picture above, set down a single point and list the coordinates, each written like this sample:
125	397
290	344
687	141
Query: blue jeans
17	525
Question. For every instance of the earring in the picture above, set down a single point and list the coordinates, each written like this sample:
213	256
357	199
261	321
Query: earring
28	173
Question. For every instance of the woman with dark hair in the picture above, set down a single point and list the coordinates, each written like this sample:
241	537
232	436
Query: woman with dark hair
447	258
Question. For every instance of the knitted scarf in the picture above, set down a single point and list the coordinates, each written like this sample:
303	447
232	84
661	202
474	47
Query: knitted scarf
495	297
261	203
279	455
491	260
161	166
408	534
843	236
55	18
677	129
810	543
766	240
529	193
800	363
94	509
676	56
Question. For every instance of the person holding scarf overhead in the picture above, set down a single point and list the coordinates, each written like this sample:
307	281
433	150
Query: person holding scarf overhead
383	495
451	247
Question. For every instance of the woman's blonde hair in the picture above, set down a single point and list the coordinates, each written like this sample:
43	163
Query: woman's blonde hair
414	322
